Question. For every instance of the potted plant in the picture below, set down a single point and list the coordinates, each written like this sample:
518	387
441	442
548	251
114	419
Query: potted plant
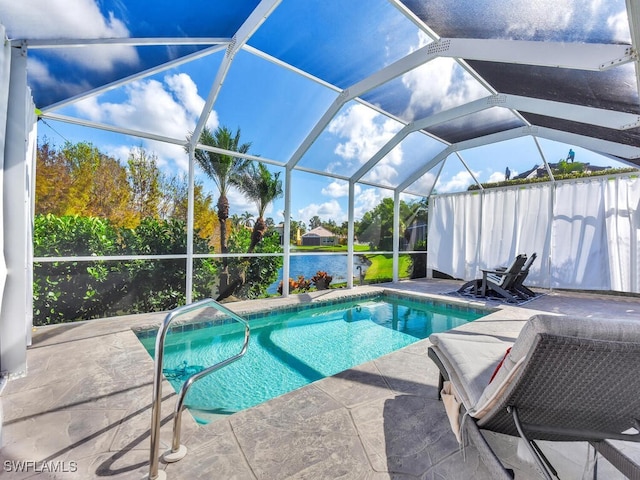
321	280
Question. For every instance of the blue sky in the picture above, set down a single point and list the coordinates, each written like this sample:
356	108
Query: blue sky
274	107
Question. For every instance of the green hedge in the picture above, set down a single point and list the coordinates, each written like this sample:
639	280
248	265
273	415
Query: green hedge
66	291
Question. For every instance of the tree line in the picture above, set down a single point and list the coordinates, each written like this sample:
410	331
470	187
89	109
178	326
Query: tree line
88	203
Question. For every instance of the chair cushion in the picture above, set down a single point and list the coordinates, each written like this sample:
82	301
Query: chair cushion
470	361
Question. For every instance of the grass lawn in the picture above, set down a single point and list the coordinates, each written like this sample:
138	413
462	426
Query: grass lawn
381	268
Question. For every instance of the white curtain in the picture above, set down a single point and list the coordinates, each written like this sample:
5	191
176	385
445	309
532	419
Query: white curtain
586	234
516	221
454	233
622	220
579	241
18	121
5	70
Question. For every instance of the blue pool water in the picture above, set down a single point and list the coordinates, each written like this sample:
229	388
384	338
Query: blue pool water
292	349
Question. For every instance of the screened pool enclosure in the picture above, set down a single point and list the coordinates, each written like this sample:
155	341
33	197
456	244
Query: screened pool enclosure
349	104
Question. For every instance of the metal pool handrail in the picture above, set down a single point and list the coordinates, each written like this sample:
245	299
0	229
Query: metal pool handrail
177	451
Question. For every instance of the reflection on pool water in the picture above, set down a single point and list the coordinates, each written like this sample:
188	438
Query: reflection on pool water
292	349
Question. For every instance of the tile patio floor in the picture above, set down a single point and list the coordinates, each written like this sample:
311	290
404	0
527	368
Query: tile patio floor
85	406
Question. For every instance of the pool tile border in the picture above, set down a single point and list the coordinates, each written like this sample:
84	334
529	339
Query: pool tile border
196	324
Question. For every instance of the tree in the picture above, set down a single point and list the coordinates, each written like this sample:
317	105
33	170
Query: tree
83	161
52	180
260	186
90	184
376	226
145	181
175	203
247	219
222	168
110	196
315	222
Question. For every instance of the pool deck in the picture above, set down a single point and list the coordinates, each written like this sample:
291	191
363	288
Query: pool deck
84	408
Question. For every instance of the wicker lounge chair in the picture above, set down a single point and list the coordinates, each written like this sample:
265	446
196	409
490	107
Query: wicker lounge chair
564	379
498	281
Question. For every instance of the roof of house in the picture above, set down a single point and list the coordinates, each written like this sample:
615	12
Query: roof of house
319	232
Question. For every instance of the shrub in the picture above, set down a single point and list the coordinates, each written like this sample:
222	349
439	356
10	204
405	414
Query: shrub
73	290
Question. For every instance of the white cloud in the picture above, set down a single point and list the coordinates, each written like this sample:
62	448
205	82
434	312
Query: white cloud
39	74
339	188
548	17
619	26
48	19
459	182
424	184
330	210
238	202
368	199
169	108
527	21
497	177
365	131
119	152
383	173
439	85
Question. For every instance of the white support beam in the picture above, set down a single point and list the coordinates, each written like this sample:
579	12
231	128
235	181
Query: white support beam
633	14
16	300
190	224
383	152
318	128
286	240
441	117
466	166
129	41
396	237
580	56
603	147
400	67
575	113
425	168
250	25
350	232
113	128
146	73
246	156
287	66
407	12
544	160
597	145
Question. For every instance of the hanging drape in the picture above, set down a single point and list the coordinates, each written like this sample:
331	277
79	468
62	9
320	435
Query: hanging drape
5	69
18	123
454	233
585	233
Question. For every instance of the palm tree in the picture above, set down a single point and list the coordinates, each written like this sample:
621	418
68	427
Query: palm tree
259	185
247	219
236	220
223	169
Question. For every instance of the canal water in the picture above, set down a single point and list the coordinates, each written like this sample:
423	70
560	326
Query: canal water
308	265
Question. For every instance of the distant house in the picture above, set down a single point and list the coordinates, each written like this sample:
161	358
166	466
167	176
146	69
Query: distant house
318	237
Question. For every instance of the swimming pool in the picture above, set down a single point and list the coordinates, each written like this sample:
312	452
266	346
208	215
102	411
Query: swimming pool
294	347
